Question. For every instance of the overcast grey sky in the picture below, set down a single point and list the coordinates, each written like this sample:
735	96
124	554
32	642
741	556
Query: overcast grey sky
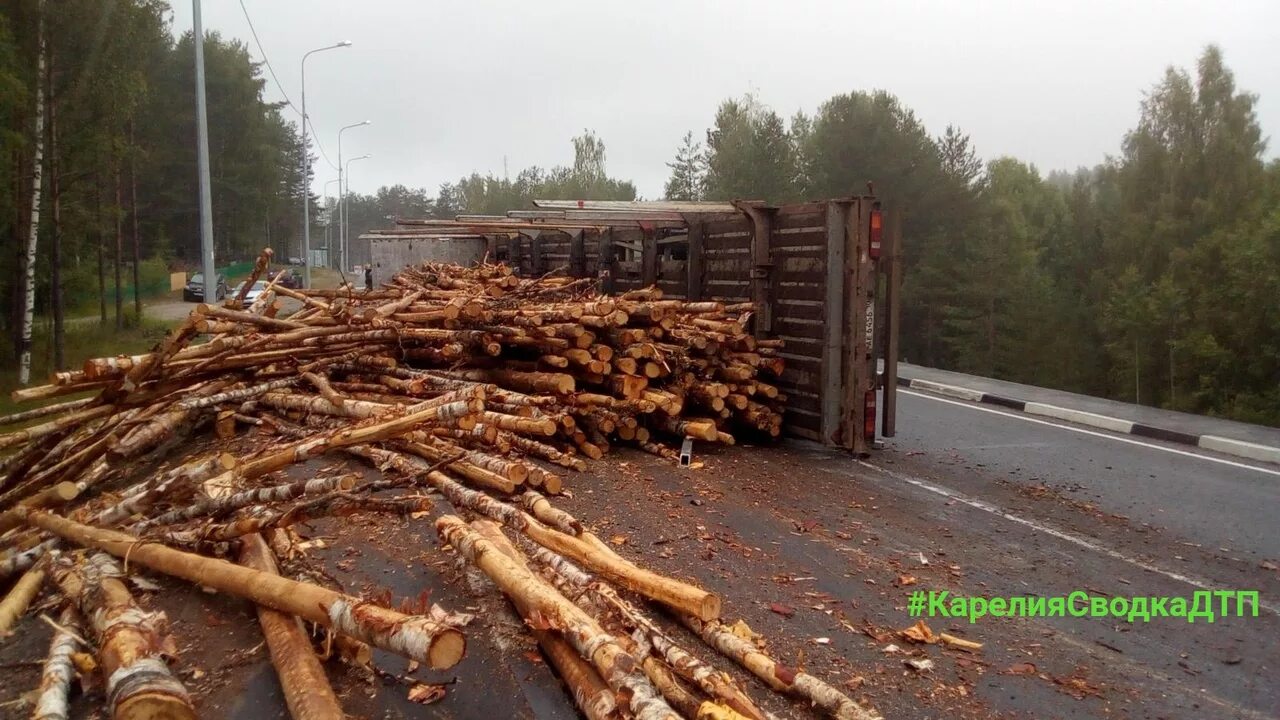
454	86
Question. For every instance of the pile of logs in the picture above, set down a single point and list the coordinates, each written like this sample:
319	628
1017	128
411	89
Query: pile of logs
469	386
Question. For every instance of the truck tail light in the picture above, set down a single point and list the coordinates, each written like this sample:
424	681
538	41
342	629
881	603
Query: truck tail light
876	234
869	416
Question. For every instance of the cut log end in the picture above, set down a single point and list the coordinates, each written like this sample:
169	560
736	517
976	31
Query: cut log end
447	649
65	491
552	484
155	706
709	608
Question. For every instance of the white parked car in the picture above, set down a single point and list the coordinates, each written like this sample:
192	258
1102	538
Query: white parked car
258	288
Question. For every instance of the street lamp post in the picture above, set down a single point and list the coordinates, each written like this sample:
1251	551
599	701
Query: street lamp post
346	217
328	243
342	238
306	169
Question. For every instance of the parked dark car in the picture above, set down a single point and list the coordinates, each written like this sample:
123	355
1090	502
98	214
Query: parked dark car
291	279
194	291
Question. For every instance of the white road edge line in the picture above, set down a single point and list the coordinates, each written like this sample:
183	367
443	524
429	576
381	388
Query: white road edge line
1054	532
1131	441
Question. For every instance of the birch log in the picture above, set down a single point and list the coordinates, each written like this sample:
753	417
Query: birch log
616	667
306	688
713	682
132	642
422	638
58	672
776	675
593	696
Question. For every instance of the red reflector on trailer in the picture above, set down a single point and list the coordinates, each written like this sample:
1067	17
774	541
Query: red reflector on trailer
875	235
869	416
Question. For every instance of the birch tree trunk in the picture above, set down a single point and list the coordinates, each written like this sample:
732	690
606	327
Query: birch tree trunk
33	232
55	237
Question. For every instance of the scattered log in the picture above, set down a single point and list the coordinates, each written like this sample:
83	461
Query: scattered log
589	691
15	604
59	670
54	409
538	599
259	496
714	683
776	675
132	642
35	432
23	560
419	637
57	495
545	512
306	688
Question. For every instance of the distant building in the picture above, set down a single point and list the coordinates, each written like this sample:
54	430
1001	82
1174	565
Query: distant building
392	251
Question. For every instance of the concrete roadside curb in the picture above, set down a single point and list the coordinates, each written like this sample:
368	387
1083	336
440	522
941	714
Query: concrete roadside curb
1214	443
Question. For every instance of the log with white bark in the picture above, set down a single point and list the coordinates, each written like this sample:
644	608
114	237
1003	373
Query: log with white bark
23	560
539	600
58	671
592	695
262	519
778	676
132	642
73	420
53	409
715	683
257	496
419	637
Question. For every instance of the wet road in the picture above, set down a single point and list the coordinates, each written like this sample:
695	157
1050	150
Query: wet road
1214	501
1037	508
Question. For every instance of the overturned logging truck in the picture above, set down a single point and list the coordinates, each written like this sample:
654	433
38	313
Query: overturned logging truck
469	391
825	277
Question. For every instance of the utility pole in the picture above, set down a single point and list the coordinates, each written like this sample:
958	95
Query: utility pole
202	150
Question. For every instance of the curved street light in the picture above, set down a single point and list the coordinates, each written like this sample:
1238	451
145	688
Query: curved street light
306	168
346	216
342	237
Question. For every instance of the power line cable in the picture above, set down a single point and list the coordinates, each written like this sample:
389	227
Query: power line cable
307	124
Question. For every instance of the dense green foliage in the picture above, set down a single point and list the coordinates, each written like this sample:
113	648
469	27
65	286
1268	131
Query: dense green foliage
120	119
1154	276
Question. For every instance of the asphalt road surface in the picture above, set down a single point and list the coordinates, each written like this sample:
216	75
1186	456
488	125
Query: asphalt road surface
1211	500
1057	507
820	552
